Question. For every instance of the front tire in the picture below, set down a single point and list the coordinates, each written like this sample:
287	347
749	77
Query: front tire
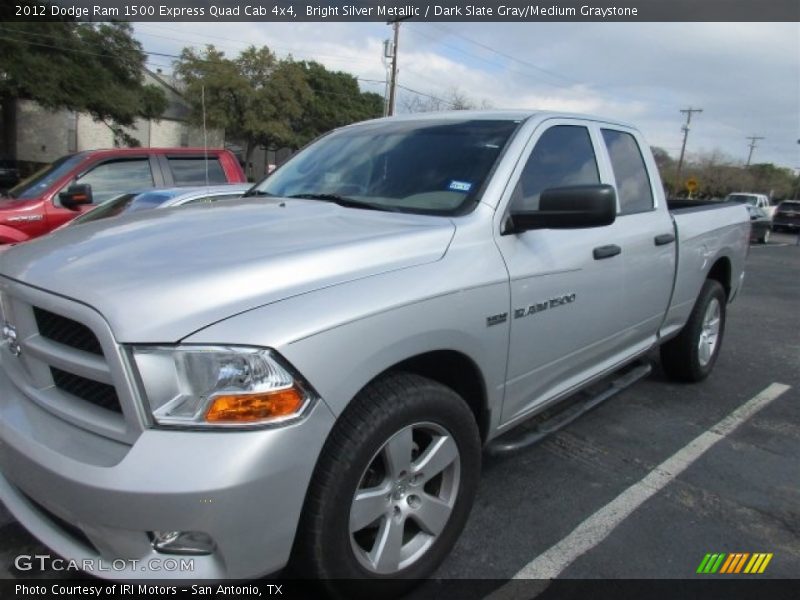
691	355
393	488
764	237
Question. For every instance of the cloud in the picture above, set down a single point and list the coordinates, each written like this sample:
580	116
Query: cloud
745	76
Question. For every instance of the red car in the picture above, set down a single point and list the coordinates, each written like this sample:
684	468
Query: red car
77	182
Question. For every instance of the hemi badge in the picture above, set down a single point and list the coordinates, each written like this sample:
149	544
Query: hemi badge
496	319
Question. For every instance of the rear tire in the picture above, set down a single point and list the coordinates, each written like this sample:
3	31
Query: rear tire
392	490
691	355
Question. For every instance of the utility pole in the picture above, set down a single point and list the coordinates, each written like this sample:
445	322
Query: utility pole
388	53
393	80
753	139
688	112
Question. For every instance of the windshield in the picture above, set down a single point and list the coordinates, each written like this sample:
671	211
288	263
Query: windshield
431	167
787	206
40	182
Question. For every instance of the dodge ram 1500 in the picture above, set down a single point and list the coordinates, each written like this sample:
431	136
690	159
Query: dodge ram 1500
313	374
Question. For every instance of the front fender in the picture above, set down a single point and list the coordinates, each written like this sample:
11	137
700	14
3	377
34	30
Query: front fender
342	337
9	235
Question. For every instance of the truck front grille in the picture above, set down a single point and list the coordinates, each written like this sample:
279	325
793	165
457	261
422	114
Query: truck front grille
66	331
68	362
95	392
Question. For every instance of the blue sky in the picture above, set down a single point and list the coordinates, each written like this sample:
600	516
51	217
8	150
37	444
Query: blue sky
745	76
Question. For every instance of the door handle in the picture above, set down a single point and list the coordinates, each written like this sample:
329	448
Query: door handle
664	238
602	252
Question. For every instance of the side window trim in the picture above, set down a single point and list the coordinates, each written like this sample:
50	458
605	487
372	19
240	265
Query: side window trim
106	161
604	166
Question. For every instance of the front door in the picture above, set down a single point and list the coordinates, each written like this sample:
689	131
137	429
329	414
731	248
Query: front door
567	315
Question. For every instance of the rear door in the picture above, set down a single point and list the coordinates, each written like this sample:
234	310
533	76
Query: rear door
567	312
646	235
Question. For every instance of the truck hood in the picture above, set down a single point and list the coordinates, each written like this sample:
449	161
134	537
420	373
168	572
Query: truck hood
16	209
160	275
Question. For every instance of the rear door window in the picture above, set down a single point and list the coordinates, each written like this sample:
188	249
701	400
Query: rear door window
630	172
191	170
116	177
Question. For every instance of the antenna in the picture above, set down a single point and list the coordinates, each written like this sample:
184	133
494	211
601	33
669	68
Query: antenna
205	132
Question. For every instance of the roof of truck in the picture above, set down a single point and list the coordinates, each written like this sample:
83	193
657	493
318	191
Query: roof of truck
498	115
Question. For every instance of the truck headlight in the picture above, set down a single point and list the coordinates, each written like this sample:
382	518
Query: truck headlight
219	386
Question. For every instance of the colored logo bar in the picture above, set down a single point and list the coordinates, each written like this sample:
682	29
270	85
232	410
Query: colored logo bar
736	562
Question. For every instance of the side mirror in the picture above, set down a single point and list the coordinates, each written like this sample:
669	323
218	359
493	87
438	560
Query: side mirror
76	195
572	207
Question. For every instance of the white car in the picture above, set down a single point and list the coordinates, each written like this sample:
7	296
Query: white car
756	200
161	198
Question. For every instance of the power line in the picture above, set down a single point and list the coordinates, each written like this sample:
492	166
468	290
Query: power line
504	55
240	43
408	89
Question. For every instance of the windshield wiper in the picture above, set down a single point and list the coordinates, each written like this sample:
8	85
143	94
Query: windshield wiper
344	201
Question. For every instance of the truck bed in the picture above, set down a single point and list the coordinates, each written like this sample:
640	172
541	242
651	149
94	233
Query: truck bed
705	231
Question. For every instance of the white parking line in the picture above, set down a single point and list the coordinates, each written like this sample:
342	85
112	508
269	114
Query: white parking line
597	527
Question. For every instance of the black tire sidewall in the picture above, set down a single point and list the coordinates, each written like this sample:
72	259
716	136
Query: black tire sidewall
427	401
711	290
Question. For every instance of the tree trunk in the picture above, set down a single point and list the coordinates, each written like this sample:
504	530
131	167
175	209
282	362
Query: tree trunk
8	128
248	155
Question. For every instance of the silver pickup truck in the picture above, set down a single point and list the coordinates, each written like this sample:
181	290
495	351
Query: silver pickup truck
312	372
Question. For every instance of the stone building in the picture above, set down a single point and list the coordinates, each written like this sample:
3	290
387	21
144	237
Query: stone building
35	135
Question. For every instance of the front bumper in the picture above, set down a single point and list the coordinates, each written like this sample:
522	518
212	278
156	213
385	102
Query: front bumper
244	488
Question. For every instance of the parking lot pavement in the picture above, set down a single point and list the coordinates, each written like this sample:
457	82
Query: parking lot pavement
742	494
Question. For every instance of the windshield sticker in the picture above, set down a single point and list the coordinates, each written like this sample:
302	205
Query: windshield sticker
459	186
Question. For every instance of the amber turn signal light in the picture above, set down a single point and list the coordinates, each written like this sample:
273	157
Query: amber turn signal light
252	408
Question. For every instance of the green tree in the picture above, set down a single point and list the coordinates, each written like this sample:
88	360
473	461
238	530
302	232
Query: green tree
770	179
91	68
718	175
255	97
666	168
336	100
